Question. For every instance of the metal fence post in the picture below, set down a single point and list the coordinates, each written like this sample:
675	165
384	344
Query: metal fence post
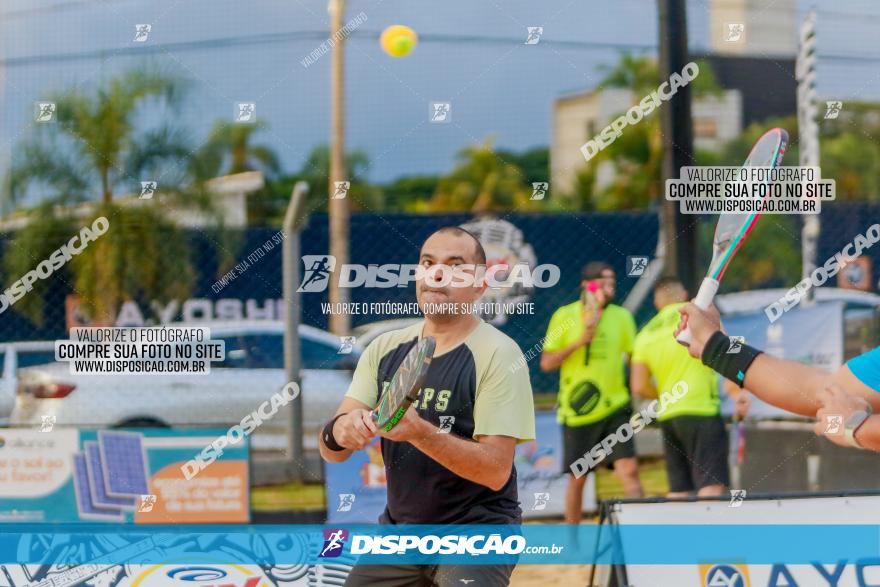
293	225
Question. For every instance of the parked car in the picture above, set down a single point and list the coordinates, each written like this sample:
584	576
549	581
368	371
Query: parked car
34	385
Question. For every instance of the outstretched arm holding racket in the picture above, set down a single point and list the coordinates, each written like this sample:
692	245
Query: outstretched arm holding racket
847	397
852	392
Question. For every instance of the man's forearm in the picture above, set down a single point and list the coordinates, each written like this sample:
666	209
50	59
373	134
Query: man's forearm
480	463
332	456
789	385
868	434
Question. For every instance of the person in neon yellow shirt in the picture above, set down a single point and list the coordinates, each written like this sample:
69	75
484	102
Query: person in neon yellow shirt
589	349
694	437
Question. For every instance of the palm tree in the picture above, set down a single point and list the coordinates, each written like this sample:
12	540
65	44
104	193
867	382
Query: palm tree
229	150
95	142
94	151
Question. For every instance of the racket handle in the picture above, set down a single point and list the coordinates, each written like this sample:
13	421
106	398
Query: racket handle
704	298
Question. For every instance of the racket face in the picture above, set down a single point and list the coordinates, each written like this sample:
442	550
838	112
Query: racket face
732	229
405	384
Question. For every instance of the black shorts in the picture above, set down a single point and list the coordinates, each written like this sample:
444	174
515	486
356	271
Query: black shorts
429	575
696	452
579	440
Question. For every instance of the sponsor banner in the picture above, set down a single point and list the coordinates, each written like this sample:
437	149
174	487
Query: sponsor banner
648	546
119	476
840	554
356	488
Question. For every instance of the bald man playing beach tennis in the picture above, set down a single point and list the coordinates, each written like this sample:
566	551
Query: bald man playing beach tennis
442	471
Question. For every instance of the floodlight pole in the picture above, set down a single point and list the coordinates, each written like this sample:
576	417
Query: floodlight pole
294	222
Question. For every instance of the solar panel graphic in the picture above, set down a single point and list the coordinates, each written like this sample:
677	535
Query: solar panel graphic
96	481
84	505
124	462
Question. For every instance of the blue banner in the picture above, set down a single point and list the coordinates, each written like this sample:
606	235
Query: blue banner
374	544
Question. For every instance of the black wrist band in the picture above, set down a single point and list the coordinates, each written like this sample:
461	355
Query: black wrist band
728	359
327	435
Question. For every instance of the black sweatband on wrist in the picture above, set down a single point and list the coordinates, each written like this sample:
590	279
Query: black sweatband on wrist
327	435
728	357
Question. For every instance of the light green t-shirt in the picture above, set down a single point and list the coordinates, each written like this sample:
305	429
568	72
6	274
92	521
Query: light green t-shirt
603	371
479	382
670	363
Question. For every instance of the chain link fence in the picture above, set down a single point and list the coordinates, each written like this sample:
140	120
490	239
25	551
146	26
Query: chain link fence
236	275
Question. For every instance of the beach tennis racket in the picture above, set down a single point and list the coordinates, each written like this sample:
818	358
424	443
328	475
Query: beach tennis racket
732	229
405	385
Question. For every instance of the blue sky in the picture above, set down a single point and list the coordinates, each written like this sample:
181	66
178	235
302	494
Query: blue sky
471	54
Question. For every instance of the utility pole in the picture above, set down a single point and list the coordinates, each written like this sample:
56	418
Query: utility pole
677	231
340	322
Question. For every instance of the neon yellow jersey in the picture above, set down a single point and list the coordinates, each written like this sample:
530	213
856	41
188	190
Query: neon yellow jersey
670	362
591	388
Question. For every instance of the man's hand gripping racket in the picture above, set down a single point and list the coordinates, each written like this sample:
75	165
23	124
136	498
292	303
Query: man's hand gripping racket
732	229
405	385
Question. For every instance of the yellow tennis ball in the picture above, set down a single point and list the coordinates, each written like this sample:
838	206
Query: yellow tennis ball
398	40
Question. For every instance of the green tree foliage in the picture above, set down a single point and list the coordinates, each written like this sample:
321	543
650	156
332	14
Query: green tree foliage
482	182
229	149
